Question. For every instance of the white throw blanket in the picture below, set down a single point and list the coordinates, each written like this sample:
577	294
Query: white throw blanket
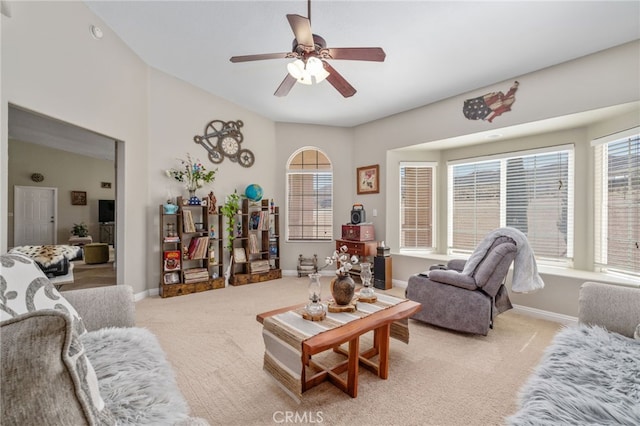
525	270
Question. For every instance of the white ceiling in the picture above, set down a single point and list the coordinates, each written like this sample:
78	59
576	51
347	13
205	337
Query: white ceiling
435	49
27	126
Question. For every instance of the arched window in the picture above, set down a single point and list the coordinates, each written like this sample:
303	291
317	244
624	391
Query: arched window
309	196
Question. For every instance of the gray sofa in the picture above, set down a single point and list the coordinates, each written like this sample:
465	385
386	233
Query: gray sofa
59	370
590	374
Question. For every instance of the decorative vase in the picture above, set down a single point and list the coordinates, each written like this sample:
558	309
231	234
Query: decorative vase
193	200
314	307
342	289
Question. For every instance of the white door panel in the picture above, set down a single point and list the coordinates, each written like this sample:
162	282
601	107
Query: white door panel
35	211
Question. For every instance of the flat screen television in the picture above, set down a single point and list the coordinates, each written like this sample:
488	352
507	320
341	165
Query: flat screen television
106	211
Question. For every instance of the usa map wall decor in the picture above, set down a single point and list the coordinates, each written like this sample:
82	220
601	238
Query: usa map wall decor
491	105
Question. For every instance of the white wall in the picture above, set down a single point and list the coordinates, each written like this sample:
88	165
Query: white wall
605	79
177	112
51	65
337	144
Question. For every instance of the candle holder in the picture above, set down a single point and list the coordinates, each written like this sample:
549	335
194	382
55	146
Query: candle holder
314	310
366	293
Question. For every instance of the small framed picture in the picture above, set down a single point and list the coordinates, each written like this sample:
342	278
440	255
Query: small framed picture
368	179
239	255
78	198
106	185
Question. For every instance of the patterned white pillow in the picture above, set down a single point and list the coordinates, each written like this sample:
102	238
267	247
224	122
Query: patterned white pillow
24	288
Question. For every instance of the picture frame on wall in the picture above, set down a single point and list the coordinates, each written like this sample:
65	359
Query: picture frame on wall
78	198
368	179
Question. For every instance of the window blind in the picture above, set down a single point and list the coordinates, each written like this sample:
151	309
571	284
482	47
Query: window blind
474	203
416	206
617	205
309	196
531	192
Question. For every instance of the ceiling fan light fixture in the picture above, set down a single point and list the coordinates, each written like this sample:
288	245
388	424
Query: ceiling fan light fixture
321	75
307	72
296	69
305	78
314	65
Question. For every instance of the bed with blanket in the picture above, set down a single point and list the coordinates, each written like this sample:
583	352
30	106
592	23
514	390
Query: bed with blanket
54	260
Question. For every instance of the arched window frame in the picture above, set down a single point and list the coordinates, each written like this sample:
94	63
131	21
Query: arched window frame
309	196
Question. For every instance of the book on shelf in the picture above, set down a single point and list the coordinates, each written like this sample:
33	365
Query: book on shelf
254	220
239	255
171	260
273	248
259	220
258	266
272	224
198	248
195	271
171	239
195	275
187	219
253	244
171	278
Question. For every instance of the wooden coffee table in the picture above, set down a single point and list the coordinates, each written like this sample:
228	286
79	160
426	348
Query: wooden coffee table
380	322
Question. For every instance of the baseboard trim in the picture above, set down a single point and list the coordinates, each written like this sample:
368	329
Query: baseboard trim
144	294
546	315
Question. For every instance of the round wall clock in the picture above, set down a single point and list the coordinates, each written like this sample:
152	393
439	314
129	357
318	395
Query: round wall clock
230	146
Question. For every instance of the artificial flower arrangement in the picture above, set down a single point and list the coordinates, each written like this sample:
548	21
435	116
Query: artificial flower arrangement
193	174
341	258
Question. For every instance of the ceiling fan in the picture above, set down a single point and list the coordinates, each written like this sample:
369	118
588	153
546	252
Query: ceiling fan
310	52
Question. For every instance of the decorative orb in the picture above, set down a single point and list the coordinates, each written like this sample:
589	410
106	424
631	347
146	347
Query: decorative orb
253	192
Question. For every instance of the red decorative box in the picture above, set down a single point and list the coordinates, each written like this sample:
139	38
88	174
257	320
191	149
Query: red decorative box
358	232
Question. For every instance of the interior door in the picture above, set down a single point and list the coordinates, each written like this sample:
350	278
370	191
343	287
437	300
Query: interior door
35	212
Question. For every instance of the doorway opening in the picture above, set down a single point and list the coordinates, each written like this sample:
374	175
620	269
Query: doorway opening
59	176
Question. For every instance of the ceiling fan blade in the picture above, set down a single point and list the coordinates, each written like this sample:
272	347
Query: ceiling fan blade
301	29
358	53
338	81
247	58
285	86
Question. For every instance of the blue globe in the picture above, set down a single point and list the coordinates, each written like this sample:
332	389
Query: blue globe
253	192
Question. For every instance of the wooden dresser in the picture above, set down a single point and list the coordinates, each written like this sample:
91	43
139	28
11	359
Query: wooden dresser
359	248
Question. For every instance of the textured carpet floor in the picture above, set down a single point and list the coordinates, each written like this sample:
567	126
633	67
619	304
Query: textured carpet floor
441	377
